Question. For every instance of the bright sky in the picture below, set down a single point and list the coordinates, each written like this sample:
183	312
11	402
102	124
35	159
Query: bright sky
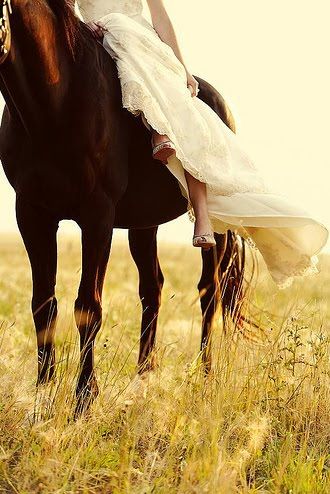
270	60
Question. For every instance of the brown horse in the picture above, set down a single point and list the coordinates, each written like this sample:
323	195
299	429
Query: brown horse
66	147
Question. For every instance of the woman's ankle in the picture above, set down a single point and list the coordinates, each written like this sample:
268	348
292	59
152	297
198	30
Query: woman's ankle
202	225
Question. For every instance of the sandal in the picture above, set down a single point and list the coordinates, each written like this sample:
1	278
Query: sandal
206	241
162	151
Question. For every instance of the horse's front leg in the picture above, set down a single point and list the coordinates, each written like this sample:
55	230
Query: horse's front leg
210	296
38	229
143	247
97	225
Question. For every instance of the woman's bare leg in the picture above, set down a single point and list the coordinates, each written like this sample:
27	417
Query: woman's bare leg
197	194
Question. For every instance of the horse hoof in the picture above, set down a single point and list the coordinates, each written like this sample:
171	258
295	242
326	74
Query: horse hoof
86	395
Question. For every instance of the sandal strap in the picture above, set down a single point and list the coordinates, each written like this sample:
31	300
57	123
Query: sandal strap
210	235
162	145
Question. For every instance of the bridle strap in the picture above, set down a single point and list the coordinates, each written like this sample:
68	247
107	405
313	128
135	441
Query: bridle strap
5	31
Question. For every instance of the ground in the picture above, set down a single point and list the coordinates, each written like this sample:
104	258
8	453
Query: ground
258	424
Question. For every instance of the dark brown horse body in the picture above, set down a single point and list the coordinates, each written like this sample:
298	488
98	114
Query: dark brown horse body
71	152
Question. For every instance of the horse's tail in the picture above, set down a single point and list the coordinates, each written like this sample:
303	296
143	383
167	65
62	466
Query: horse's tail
233	282
233	278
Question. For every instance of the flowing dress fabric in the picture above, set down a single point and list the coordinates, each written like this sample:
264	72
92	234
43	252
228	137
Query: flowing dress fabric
153	83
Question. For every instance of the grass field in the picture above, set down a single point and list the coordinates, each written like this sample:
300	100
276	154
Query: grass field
260	423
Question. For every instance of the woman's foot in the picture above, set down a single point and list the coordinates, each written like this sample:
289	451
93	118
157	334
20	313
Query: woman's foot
203	235
205	241
162	147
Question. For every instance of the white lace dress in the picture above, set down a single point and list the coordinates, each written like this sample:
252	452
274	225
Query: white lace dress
153	83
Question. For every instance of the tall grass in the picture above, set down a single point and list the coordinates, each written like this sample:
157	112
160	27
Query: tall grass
259	423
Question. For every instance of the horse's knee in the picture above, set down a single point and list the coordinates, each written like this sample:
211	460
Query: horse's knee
88	317
207	283
203	285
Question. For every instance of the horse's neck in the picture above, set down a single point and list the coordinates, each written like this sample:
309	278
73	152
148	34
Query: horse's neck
34	73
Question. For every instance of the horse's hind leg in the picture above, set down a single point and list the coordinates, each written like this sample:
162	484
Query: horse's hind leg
143	246
96	226
210	296
38	230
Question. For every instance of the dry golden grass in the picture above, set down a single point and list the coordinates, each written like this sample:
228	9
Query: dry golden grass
258	424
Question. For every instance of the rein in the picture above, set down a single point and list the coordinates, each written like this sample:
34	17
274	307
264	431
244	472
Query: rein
5	31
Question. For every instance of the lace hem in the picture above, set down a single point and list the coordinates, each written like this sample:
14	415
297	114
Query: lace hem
309	269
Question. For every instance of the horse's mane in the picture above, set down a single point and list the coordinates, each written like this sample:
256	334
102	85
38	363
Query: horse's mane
64	11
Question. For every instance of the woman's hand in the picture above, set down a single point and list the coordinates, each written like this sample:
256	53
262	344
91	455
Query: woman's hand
96	29
192	84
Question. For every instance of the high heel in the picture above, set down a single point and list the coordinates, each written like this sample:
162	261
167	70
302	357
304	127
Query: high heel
205	241
163	150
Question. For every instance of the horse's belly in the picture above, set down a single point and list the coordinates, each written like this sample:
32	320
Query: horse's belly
152	197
